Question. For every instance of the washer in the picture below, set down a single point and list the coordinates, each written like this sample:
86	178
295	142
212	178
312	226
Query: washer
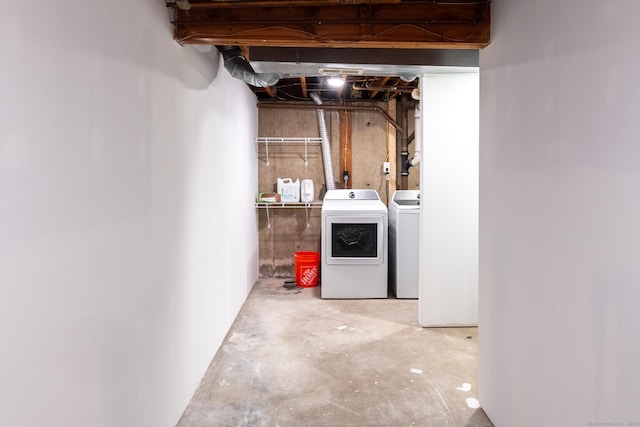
404	243
354	245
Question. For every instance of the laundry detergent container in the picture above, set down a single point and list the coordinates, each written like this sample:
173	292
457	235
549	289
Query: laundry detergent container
404	243
289	189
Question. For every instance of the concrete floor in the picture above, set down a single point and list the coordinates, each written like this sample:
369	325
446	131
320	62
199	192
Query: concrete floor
294	359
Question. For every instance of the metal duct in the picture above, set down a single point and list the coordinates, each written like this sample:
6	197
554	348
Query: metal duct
326	148
238	67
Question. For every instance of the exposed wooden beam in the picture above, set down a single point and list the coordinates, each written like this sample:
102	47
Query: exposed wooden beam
394	93
392	181
271	91
345	147
343	107
303	85
375	93
340	92
413	25
245	52
212	4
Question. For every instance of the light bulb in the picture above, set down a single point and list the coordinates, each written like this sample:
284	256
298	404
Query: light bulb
335	81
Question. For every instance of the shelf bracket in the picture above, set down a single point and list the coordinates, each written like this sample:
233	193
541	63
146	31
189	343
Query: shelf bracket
268	219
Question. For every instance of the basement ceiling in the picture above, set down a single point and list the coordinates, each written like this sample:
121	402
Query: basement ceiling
378	47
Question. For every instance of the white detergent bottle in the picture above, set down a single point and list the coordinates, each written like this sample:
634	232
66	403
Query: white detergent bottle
307	192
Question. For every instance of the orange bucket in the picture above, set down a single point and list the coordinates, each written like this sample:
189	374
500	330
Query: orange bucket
307	265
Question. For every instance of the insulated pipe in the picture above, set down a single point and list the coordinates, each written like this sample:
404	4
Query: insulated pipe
417	138
326	148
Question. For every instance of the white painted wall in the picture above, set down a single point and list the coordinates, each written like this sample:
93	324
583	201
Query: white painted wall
559	214
127	229
449	200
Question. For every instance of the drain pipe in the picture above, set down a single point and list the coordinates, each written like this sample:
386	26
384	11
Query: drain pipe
415	94
417	138
326	148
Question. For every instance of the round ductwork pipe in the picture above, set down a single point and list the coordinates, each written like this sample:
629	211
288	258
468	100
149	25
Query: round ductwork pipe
236	64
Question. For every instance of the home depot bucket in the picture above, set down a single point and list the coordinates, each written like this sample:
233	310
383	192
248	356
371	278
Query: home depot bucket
307	265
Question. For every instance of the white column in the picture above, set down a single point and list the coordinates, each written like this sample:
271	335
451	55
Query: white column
449	195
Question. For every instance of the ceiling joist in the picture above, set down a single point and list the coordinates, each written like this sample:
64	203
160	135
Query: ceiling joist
412	24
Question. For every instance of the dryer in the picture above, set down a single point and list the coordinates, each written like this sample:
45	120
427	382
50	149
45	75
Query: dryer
354	251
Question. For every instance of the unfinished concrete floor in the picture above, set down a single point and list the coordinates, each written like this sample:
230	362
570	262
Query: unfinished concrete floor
294	359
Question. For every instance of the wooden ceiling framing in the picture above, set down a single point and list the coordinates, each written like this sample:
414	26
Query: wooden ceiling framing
345	24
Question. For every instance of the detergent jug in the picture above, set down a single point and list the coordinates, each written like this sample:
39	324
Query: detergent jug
289	190
306	191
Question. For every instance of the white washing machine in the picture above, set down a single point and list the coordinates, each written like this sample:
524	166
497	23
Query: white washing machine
404	243
354	245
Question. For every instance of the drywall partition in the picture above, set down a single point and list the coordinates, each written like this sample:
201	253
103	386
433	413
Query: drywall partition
559	207
127	228
448	271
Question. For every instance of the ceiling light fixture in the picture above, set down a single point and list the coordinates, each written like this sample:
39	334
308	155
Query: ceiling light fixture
335	81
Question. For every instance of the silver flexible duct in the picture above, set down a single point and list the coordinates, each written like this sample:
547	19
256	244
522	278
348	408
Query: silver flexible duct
238	67
326	148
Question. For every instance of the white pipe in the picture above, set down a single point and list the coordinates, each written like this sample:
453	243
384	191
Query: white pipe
417	137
